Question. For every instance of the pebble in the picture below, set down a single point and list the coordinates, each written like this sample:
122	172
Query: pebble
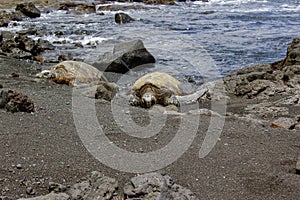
283	122
30	191
298	166
19	166
15	75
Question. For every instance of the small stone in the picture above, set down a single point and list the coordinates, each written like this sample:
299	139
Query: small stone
283	122
15	75
297	127
56	187
30	191
39	58
298	166
19	166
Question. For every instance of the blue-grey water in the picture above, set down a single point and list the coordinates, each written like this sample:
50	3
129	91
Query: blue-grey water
194	38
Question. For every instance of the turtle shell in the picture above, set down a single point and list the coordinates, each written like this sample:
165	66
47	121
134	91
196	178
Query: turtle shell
74	73
160	80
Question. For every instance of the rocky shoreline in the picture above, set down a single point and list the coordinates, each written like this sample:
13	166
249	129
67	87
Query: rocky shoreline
256	157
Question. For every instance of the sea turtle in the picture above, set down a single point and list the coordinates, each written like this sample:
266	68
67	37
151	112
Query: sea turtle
72	73
160	88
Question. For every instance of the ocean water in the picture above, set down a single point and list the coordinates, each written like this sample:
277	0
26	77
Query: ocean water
194	39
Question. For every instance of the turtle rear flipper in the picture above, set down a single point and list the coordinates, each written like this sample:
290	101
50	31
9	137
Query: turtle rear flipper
172	100
192	98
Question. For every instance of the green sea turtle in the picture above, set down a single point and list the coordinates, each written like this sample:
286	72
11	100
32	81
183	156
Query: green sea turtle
160	88
72	73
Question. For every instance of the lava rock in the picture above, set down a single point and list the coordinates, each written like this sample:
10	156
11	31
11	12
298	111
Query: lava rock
11	16
97	186
292	56
56	187
122	18
41	46
25	43
21	46
14	101
125	56
28	9
4	23
50	196
156	186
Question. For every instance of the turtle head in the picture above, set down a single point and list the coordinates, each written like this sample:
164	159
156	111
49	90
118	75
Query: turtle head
148	100
46	74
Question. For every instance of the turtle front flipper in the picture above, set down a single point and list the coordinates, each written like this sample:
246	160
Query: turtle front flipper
134	100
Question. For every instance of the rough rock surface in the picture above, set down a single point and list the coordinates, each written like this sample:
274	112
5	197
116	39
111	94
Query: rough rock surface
125	56
21	46
156	186
117	7
262	82
123	18
50	196
97	186
14	101
292	55
28	9
165	2
11	16
77	7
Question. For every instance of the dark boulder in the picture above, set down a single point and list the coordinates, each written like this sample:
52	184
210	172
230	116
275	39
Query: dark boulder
11	16
4	23
22	46
25	43
122	18
8	45
28	9
14	101
125	56
77	8
41	46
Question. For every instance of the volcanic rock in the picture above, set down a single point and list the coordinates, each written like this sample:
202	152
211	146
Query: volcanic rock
28	9
50	196
156	186
122	18
292	56
14	101
125	56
